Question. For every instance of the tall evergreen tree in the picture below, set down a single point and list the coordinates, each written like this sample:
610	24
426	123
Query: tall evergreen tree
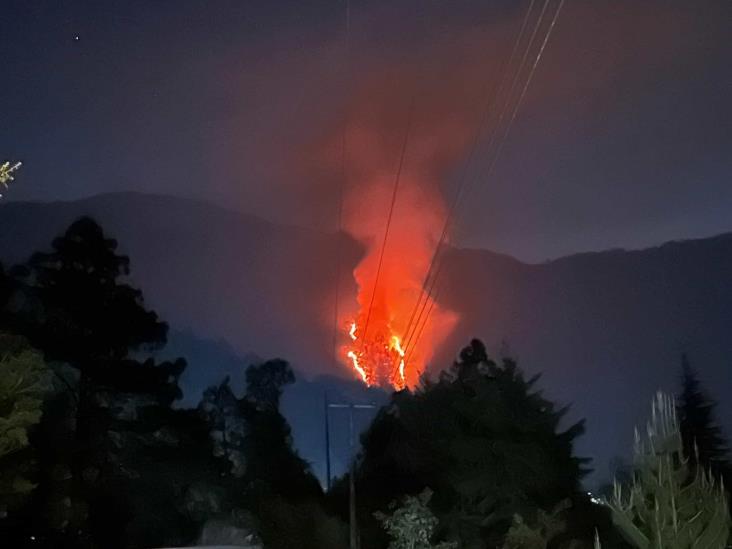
703	441
75	304
85	312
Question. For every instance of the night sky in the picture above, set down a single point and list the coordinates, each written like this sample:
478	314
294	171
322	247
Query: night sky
624	138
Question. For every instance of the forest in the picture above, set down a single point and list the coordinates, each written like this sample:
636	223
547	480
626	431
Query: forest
94	452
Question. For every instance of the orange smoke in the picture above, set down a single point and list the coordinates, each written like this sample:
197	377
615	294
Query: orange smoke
377	333
447	96
380	347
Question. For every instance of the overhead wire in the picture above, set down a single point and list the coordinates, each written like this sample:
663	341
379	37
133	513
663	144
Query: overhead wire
431	289
341	186
489	104
395	191
461	188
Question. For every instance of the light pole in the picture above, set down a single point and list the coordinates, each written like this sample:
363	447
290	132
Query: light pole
353	528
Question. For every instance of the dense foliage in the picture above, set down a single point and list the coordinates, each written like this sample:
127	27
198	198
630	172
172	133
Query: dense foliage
482	439
411	525
112	461
24	380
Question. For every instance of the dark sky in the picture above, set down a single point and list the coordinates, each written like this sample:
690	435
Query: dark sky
624	138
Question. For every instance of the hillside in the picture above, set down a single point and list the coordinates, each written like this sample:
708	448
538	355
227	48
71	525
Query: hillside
603	327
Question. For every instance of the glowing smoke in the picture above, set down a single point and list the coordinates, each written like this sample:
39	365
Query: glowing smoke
447	87
377	347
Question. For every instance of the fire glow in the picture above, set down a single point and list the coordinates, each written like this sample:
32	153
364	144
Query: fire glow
377	362
382	341
388	345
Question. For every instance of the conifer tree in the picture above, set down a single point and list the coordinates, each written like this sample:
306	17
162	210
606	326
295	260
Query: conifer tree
703	441
79	310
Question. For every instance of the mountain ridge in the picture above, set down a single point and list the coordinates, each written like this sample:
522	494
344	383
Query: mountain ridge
604	327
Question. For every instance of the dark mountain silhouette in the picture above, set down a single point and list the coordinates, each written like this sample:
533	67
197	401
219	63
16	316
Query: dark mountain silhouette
606	329
263	288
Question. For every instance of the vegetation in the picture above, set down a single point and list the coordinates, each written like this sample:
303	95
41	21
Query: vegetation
548	525
94	453
669	505
7	171
24	380
702	438
483	439
412	524
117	464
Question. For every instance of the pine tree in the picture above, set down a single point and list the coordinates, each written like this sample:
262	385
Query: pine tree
78	308
702	437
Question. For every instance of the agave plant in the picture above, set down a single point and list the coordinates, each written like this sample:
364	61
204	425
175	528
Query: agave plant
667	505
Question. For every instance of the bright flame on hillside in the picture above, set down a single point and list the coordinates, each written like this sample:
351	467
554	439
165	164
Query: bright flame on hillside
376	361
383	341
389	343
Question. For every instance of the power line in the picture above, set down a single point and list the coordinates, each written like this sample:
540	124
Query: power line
389	218
344	177
513	117
426	288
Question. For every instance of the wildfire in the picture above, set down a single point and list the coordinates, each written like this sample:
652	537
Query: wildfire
377	361
393	174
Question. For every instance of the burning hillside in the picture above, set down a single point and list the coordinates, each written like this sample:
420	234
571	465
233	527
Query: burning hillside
392	174
389	340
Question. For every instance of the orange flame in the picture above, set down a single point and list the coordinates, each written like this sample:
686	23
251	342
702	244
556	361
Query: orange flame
358	368
383	346
381	343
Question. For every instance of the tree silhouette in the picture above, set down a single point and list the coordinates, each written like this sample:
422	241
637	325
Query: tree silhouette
266	381
254	436
480	437
223	412
702	437
78	309
88	313
272	463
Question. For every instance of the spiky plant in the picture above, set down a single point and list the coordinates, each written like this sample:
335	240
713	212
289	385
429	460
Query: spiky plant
667	506
6	172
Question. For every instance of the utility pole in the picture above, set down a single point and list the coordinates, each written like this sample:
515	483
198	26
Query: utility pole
353	526
327	442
